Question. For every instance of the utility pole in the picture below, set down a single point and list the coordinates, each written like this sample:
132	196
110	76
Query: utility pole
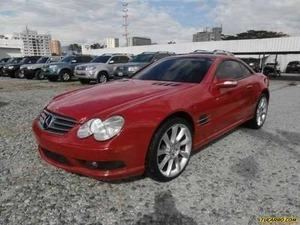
125	20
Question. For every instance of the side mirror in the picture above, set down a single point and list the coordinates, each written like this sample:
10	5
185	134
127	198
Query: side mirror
74	61
111	62
227	84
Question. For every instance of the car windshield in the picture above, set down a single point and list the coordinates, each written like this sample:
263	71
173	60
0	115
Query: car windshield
24	60
16	60
42	60
68	59
293	63
142	58
3	60
190	70
101	59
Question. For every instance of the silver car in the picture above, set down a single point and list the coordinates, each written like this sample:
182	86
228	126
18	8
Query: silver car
100	69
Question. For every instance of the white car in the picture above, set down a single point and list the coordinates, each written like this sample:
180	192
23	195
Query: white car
100	69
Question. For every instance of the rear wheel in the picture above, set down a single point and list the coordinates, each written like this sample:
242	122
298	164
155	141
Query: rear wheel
84	81
170	150
102	78
65	75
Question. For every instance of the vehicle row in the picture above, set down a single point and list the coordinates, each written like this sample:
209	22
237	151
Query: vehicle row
100	69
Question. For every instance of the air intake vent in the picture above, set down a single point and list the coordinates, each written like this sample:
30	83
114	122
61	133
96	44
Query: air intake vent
55	123
165	84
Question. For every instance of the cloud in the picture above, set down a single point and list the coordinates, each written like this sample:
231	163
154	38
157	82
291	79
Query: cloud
93	20
238	16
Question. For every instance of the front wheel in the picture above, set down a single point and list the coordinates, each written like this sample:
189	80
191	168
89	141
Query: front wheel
65	76
102	78
170	150
39	75
260	113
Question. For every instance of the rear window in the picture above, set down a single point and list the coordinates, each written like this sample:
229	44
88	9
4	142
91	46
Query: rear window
190	70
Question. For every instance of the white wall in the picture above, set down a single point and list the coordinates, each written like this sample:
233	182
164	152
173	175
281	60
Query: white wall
11	48
254	45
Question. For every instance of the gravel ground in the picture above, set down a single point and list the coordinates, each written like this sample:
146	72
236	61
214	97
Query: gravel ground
244	175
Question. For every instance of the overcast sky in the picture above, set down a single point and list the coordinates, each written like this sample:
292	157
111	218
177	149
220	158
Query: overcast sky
161	20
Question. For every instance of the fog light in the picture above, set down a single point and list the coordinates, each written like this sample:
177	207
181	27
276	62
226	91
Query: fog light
109	165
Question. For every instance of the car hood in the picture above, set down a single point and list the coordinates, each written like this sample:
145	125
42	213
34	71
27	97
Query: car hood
112	97
91	64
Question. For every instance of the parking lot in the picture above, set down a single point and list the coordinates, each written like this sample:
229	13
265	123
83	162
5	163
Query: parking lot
238	178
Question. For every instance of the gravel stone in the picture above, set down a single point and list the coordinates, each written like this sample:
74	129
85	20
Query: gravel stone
234	180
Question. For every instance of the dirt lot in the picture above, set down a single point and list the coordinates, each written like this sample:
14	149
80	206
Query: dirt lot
242	176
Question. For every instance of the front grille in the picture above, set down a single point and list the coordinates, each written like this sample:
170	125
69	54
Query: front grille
56	123
80	68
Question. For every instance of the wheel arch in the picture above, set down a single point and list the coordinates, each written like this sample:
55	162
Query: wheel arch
267	93
102	71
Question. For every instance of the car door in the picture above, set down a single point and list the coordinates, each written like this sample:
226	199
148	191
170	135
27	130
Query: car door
226	102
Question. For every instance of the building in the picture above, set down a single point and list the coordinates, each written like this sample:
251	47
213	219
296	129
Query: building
138	41
214	34
10	47
286	49
112	42
55	47
34	43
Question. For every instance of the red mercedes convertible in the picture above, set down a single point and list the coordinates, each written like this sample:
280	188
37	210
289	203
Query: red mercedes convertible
151	123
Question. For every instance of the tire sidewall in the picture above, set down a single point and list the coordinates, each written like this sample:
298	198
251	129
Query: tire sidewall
255	117
152	169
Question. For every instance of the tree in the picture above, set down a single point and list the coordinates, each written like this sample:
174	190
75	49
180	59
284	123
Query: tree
97	46
75	48
255	34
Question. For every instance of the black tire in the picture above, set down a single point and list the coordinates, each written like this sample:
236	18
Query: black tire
253	123
39	75
151	164
65	75
84	81
102	77
52	79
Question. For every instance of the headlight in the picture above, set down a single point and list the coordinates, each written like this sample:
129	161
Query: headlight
101	130
10	67
29	67
133	68
90	68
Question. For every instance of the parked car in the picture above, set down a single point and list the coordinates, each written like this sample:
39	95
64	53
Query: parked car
3	61
272	69
253	63
153	122
11	66
64	69
138	62
31	71
293	67
13	69
99	69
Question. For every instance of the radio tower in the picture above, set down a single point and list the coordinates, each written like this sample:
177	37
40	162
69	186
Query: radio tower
125	20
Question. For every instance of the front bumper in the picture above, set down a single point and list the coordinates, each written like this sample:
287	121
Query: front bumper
50	73
9	72
64	151
84	74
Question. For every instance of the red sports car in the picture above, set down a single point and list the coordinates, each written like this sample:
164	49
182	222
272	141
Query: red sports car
151	123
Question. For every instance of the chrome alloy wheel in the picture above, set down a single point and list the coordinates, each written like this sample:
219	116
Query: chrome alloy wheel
102	79
174	150
66	77
261	111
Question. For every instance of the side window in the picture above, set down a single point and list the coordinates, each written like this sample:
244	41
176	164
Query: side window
229	70
124	59
116	59
85	59
245	71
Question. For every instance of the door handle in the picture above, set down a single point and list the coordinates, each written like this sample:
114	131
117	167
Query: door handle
249	86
